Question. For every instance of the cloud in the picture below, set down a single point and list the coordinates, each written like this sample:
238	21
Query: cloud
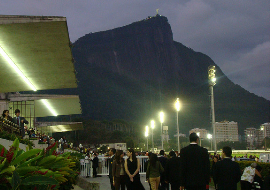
235	34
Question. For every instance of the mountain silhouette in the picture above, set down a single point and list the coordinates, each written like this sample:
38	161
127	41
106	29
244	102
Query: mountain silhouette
135	71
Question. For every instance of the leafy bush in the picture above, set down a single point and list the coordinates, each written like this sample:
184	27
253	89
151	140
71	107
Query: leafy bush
265	166
12	137
36	169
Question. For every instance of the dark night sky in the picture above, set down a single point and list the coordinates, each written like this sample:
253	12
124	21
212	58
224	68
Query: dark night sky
235	34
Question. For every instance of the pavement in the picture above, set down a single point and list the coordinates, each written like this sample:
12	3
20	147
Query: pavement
104	182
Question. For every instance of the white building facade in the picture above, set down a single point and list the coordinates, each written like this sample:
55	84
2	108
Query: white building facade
226	131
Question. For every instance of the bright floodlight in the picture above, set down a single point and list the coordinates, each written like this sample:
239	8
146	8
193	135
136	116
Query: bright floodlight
212	75
198	134
161	115
152	124
146	129
209	136
177	104
262	128
146	134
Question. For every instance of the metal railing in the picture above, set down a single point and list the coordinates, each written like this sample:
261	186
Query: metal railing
103	166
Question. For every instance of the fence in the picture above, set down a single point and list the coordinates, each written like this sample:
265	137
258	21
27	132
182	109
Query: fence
103	166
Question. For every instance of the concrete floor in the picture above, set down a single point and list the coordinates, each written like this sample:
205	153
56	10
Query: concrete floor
105	183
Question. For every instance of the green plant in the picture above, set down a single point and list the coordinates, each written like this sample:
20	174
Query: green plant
35	168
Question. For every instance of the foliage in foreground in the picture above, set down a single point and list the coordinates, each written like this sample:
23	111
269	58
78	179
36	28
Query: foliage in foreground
35	169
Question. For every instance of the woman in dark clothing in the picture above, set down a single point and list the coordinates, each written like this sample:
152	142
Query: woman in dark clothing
118	171
154	169
215	160
132	168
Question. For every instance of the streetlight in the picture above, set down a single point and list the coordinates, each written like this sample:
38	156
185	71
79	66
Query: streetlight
161	115
152	126
177	107
146	135
263	128
209	136
198	134
212	82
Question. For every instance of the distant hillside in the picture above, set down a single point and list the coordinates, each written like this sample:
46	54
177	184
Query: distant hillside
133	72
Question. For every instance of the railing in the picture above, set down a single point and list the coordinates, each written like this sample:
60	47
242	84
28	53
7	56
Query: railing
103	166
9	126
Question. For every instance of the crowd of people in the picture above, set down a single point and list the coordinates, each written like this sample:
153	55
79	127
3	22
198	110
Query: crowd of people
190	170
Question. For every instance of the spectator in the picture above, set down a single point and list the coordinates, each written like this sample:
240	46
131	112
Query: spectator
162	159
215	160
172	171
112	156
95	164
20	121
195	170
154	169
248	176
118	171
132	168
226	172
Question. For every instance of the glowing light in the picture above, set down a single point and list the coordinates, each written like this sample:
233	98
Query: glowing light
152	124
198	134
177	104
14	66
47	104
161	114
146	131
213	79
209	136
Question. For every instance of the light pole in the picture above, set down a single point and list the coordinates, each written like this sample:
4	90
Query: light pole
209	136
263	128
161	115
212	82
152	126
146	135
177	107
198	134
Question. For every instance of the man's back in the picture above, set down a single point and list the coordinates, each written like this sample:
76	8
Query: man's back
195	166
227	174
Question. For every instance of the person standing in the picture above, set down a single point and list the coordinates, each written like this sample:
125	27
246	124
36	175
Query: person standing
112	156
195	169
132	168
118	171
95	164
215	160
226	173
20	121
154	169
163	160
172	171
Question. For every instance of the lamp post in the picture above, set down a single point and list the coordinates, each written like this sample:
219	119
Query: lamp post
146	135
212	82
209	136
161	115
152	126
263	128
177	107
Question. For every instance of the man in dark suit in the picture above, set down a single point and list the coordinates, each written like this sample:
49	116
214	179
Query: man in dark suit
163	160
20	121
112	155
195	166
172	171
226	172
95	164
